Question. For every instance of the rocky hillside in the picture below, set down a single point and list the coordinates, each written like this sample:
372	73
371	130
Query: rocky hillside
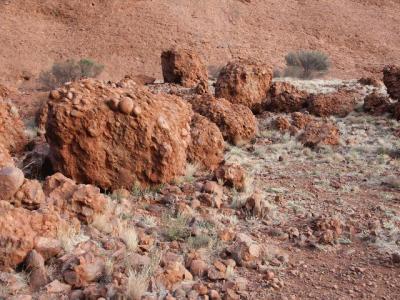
127	36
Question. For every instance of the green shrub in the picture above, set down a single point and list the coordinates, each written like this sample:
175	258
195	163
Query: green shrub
306	64
69	70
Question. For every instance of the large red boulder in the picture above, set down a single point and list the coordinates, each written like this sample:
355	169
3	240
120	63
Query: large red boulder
115	137
12	135
339	103
207	146
285	97
183	66
244	82
236	122
391	79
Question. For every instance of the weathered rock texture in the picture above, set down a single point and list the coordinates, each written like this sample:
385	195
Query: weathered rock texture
244	82
391	79
236	122
114	137
5	157
19	228
285	97
184	67
376	104
207	146
338	104
80	201
12	135
11	179
318	133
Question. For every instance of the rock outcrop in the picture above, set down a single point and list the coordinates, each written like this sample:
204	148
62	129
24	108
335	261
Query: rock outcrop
114	137
12	135
285	97
339	104
391	79
207	146
244	82
236	122
185	67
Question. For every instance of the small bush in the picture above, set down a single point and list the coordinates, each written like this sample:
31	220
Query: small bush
306	64
69	70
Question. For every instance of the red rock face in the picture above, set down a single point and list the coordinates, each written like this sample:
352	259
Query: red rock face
207	147
376	104
391	79
285	97
114	137
12	135
338	104
19	228
320	133
184	67
245	83
236	122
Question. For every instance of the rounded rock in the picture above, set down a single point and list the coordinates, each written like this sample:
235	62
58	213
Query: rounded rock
126	106
11	180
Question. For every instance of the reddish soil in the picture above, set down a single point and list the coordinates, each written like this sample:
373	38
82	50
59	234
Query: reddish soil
360	36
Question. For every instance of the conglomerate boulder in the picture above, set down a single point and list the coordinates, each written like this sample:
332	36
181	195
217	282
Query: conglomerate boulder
244	82
391	79
185	67
236	122
114	137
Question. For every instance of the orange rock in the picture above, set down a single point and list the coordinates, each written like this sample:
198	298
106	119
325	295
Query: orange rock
30	195
232	175
80	201
12	135
207	146
339	104
11	179
118	150
5	157
183	66
236	122
244	82
285	97
19	228
320	133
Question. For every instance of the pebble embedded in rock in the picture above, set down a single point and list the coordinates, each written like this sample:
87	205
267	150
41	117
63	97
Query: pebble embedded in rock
126	106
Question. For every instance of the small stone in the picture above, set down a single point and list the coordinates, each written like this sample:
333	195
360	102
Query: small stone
35	266
126	106
198	267
54	94
113	104
137	111
56	287
214	295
